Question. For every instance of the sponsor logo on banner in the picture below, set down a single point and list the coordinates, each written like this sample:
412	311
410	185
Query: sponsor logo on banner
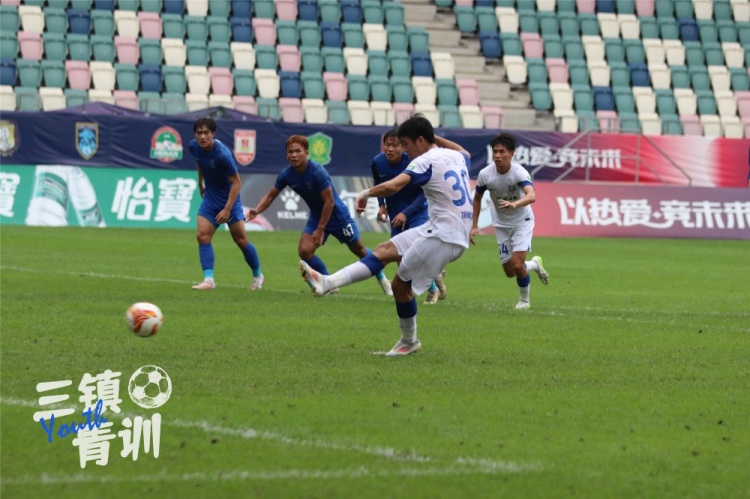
9	137
166	145
320	148
87	139
244	146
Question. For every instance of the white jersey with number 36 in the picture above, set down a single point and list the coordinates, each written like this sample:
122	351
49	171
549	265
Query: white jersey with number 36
444	177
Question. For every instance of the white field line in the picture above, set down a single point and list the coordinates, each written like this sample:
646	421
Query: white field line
631	315
460	466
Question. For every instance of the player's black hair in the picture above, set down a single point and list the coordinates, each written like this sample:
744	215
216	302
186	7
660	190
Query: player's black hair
505	139
390	134
206	122
417	126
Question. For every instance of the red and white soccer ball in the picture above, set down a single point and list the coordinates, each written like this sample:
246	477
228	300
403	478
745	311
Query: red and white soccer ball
144	319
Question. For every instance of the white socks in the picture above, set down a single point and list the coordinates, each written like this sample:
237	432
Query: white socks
356	272
408	329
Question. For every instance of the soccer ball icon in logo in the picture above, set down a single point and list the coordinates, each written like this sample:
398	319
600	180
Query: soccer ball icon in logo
150	387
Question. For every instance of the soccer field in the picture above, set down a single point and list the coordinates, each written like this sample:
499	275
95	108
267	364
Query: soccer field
629	376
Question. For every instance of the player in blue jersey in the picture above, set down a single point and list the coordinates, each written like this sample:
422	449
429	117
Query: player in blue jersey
328	213
407	208
512	194
220	184
440	167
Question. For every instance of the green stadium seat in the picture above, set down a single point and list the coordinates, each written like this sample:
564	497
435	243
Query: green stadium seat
174	79
354	37
79	47
668	28
714	54
568	24
219	29
9	19
449	116
400	63
614	50
419	39
312	59
707	31
174	103
377	63
723	10
629	122
103	22
394	14
75	97
333	60
269	108
573	48
219	8
330	11
150	51
133	5
553	47
397	38
196	28
359	89
743	33
671	125
727	31
587	120
313	85
625	6
683	9
244	82
634	51
486	19
197	52
706	102
583	98
372	11
8	45
579	72
619	74
150	102
103	48
649	27
54	73
511	44
694	54
27	99
128	77
286	32
699	78
266	57
220	54
680	76
338	112
528	22
624	100
151	5
665	102
447	93
173	26
380	88
403	90
466	19
55	20
588	24
537	70
549	24
541	99
264	9
309	33
740	80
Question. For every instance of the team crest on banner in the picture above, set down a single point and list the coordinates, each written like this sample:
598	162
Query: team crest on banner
166	145
320	148
87	139
9	139
244	146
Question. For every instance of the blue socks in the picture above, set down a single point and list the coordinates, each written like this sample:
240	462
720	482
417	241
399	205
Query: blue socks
206	253
251	257
317	264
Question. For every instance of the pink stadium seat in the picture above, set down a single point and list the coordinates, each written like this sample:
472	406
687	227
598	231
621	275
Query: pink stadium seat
291	110
464	3
644	8
468	91
586	6
691	124
79	76
532	45
289	58
245	103
402	111
222	81
31	45
127	50
557	69
743	104
150	24
265	31
11	3
286	10
493	117
608	121
336	85
126	98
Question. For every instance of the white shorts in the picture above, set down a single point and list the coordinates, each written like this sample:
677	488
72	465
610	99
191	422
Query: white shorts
423	258
514	239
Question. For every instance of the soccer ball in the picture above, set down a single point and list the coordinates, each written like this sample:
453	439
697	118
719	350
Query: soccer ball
150	387
144	319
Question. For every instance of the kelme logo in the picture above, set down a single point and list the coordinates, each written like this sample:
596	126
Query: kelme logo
320	148
166	145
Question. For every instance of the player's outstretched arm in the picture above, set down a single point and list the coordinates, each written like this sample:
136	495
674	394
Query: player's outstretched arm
449	144
264	203
382	190
477	207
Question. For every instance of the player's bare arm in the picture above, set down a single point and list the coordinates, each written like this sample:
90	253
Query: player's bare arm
200	180
477	207
325	214
382	190
263	204
529	196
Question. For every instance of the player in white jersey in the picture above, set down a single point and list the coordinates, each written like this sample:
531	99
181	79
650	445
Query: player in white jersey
439	166
512	193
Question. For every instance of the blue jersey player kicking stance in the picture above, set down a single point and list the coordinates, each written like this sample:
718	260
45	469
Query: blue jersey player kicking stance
328	213
220	185
408	207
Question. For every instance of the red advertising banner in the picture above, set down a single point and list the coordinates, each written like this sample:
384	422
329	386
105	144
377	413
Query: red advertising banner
593	210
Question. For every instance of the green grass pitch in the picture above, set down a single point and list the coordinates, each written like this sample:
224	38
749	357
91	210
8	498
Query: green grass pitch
628	377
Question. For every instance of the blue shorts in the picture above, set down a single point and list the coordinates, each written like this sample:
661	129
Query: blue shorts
346	234
209	213
410	224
